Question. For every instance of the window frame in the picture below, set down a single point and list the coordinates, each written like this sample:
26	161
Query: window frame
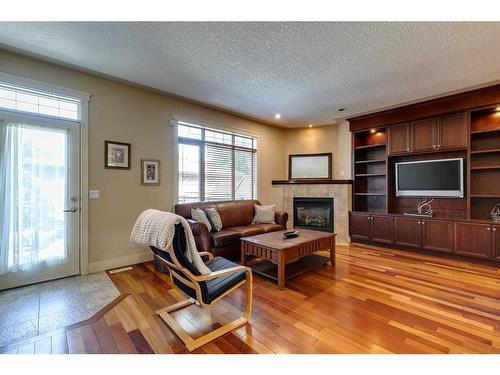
201	143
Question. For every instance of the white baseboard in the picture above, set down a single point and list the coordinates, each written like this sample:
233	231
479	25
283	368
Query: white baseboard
103	265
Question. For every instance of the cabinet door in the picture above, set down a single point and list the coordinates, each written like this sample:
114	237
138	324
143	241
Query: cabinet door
407	231
359	226
399	139
473	239
423	135
496	242
382	229
437	235
452	131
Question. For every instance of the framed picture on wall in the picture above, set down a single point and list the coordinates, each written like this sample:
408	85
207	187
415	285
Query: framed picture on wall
310	166
116	155
150	172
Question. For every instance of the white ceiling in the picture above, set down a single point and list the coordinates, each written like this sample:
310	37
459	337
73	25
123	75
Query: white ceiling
305	71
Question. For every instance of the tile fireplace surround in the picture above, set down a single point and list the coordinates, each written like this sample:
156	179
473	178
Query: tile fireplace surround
341	195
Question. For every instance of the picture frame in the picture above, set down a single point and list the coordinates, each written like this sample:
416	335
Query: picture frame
116	155
310	166
150	172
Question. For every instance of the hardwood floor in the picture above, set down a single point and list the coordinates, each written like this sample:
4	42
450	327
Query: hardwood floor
375	300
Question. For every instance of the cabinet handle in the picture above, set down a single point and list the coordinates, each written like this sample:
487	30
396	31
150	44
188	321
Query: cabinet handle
488	228
408	149
423	222
439	146
418	222
494	229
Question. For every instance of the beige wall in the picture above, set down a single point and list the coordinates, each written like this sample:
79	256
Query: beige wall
123	113
332	138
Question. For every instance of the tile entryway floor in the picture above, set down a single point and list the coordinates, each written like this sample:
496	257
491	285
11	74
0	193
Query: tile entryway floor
36	309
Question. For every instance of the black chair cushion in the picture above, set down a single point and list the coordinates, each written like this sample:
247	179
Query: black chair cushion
210	289
216	287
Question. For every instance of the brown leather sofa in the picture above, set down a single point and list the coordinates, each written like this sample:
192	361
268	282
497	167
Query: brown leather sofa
236	219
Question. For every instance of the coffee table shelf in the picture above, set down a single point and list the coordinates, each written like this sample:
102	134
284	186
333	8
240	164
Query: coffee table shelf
280	258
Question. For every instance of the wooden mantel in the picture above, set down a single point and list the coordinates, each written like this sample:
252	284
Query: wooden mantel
319	181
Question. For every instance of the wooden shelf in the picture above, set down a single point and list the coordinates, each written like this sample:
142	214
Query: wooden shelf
370	146
485	196
485	167
365	194
312	181
369	174
485	151
370	161
485	131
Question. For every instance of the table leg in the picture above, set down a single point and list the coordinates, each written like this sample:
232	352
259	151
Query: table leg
332	251
243	255
281	271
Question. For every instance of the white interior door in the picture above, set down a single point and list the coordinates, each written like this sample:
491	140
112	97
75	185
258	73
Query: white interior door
39	199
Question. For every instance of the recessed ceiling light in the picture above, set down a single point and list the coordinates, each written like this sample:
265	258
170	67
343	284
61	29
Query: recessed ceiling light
310	125
373	131
497	109
277	116
341	109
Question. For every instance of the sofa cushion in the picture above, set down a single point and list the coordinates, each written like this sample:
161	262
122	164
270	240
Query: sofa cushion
268	227
225	237
236	213
247	230
264	214
214	218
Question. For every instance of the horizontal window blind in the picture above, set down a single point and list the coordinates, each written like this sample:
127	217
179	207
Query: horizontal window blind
215	165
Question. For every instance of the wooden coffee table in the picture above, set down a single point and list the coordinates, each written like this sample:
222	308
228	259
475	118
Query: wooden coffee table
292	256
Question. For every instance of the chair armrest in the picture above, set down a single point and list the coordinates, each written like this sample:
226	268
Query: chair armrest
281	217
201	235
227	271
207	254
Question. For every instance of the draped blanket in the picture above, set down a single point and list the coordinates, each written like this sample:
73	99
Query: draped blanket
156	228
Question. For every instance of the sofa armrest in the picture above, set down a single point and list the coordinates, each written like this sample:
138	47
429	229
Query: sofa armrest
201	235
281	217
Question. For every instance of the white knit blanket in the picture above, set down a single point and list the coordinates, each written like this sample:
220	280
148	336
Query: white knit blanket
156	228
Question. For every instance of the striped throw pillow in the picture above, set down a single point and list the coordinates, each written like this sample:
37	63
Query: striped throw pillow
214	218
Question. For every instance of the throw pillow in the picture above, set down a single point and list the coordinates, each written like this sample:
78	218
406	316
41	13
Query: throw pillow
264	214
199	215
214	218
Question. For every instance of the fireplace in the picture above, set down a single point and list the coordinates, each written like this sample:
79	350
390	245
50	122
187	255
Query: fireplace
313	213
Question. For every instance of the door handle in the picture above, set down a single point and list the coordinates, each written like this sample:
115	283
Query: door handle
72	209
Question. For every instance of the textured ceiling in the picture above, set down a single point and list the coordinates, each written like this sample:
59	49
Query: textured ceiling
305	71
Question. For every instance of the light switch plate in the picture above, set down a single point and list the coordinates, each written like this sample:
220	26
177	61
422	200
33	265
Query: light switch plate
94	194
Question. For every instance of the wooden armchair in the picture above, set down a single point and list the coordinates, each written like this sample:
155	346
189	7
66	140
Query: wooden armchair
202	290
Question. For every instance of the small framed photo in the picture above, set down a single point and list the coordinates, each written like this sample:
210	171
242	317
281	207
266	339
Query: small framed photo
150	172
116	155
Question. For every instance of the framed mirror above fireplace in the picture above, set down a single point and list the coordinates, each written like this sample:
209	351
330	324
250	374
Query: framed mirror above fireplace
313	213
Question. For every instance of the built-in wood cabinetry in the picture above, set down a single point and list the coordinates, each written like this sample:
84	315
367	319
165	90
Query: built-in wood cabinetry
473	239
452	131
463	126
434	235
437	235
407	231
496	241
399	139
427	135
376	228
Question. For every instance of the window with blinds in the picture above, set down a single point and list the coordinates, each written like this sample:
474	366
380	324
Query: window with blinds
215	165
23	100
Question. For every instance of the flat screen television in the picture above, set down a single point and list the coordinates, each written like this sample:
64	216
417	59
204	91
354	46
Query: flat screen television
430	178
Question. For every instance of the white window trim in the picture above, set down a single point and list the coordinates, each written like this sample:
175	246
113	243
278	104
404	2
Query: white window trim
174	123
84	98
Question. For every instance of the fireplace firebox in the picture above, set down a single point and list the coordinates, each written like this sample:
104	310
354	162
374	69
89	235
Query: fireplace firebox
313	213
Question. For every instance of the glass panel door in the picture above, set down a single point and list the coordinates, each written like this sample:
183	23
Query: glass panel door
39	200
